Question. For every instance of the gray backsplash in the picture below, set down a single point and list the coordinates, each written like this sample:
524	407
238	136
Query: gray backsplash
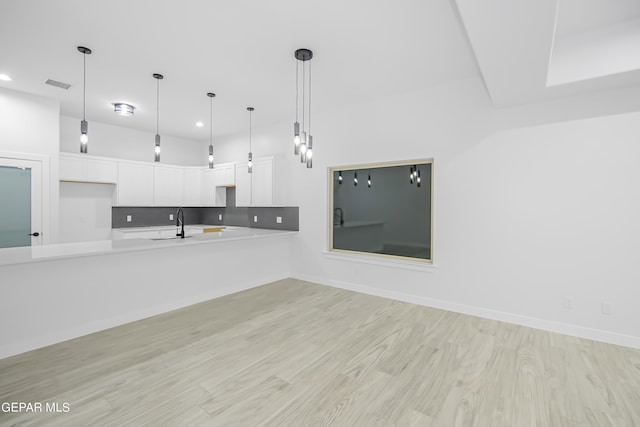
233	216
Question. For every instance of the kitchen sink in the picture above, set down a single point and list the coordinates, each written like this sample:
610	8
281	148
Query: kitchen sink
169	237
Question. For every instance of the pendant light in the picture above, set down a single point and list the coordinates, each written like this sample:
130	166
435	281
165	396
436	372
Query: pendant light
340	177
355	179
418	179
84	125
411	175
369	180
158	77
211	95
250	162
303	144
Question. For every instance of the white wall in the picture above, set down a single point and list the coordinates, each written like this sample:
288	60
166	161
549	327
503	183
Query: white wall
124	143
533	204
85	211
29	127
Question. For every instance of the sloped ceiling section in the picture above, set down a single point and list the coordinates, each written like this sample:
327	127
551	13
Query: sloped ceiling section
530	51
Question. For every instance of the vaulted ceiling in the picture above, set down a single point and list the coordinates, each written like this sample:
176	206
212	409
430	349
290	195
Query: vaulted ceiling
243	51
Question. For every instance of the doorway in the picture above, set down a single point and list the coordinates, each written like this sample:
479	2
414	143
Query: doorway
21	195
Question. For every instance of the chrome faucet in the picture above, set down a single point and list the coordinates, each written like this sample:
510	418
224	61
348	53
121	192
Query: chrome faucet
180	223
340	214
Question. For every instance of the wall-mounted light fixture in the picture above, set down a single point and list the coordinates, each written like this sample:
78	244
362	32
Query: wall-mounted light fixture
355	178
369	180
303	144
340	177
158	77
211	95
84	125
124	109
250	162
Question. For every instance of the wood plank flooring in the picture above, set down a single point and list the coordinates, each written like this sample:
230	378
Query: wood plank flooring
292	353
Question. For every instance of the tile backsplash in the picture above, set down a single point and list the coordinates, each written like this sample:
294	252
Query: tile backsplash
256	217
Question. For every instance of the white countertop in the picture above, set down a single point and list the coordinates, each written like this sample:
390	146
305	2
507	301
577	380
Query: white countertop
9	256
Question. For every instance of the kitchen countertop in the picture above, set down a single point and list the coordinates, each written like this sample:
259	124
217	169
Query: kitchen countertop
27	254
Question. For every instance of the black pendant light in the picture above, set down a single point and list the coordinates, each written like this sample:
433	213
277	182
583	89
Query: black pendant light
158	77
250	162
302	139
84	125
369	180
340	177
211	95
355	179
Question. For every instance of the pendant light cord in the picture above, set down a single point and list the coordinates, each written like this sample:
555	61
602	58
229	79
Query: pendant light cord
297	90
84	86
157	106
309	98
303	91
211	124
250	130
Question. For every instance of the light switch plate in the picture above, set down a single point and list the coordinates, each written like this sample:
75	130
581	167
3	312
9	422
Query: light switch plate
255	218
278	220
170	217
128	218
219	217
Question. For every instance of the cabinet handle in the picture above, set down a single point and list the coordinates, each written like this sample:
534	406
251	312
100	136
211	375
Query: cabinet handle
36	234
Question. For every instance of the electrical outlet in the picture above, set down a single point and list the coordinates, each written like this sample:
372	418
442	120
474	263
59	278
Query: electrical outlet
219	217
278	220
255	218
170	217
606	308
567	304
128	218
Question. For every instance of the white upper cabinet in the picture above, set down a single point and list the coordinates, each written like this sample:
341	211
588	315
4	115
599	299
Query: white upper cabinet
259	187
225	175
193	186
168	185
262	182
82	168
151	184
135	184
243	185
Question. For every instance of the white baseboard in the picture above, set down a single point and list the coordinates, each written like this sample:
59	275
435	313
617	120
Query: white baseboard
100	325
517	319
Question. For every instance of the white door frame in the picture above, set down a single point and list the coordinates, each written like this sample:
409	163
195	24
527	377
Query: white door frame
40	200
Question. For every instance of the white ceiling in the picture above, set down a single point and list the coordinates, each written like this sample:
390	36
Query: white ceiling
525	58
242	50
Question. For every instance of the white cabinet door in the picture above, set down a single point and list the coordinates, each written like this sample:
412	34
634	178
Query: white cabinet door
82	168
193	187
135	184
225	175
168	185
262	180
243	185
100	170
208	187
71	168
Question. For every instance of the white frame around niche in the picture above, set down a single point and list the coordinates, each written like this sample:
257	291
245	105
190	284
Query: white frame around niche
401	261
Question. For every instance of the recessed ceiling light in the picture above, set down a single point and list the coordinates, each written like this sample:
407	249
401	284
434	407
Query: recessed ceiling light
199	124
5	78
124	109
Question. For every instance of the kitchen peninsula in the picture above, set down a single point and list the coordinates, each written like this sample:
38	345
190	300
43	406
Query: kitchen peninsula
80	288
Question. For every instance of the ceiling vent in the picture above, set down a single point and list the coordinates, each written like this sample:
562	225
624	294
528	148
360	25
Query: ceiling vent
54	83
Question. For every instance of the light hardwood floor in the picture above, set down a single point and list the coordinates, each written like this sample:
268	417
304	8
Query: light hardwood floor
292	353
